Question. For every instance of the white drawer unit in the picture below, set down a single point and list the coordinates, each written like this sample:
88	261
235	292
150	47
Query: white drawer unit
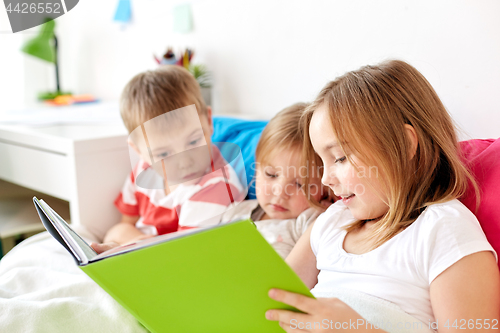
23	165
83	164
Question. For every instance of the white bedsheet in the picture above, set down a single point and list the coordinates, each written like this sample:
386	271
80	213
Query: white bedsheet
43	290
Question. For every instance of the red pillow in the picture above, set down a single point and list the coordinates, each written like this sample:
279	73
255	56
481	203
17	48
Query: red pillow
483	159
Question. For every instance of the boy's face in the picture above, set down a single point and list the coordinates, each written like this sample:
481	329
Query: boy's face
179	148
278	186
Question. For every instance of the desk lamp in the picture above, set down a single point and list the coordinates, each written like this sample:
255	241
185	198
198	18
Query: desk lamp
41	47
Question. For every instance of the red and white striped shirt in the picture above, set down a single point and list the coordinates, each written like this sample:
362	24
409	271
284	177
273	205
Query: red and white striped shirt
188	206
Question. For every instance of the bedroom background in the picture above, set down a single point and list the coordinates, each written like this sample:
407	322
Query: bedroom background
265	55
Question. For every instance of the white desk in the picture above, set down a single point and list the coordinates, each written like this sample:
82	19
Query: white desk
83	164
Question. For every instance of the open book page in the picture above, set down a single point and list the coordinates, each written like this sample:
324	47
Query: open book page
147	242
57	227
84	249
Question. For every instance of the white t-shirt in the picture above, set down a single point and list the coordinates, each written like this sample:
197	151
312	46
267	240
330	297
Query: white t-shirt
281	234
402	269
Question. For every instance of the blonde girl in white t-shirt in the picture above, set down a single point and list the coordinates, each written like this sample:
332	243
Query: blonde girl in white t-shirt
399	233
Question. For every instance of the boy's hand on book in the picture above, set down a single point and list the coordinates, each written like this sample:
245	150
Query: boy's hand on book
103	247
139	238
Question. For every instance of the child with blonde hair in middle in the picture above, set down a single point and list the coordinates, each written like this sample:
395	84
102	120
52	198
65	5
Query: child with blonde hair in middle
282	211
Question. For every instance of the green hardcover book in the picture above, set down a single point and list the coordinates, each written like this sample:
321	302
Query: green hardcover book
208	280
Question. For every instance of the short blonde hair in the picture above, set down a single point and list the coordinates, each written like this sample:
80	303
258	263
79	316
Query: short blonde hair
283	132
368	110
153	93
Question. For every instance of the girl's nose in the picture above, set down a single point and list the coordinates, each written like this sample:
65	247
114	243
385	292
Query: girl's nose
329	177
278	189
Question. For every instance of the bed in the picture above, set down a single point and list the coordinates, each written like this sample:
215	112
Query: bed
42	290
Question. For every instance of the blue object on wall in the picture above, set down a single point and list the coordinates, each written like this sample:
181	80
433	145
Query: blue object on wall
244	133
123	11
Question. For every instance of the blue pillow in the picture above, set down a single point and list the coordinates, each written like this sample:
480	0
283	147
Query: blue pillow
245	134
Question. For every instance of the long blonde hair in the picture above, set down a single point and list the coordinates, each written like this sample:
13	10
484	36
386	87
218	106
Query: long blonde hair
368	109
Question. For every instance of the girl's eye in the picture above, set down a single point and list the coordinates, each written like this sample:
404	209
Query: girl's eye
340	160
271	175
299	185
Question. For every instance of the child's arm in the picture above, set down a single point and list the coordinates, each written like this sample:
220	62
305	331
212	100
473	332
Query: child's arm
467	295
125	231
303	261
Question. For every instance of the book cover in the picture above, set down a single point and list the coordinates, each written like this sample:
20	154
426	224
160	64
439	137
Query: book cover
210	280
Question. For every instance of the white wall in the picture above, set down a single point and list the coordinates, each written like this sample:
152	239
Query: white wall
268	54
11	65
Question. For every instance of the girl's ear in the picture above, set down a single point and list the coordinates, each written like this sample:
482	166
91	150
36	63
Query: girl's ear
412	136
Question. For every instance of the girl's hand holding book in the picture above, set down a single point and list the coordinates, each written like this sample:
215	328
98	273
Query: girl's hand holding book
329	312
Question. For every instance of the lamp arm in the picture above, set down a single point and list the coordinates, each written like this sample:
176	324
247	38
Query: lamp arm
57	64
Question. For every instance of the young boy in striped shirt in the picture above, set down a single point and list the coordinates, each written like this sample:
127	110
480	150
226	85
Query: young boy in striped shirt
181	181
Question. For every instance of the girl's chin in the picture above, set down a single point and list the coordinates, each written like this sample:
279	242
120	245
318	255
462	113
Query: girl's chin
364	217
278	215
358	215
